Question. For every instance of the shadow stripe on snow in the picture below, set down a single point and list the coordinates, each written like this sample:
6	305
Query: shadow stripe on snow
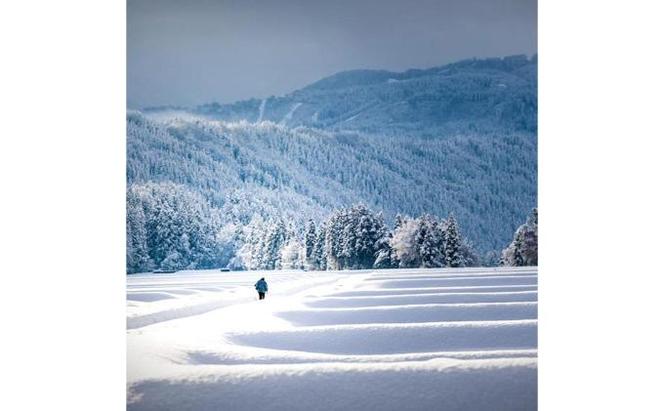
433	290
448	270
462	281
412	313
442	276
369	301
398	338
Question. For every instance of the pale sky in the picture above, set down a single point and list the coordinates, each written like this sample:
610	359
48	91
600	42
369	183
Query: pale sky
191	52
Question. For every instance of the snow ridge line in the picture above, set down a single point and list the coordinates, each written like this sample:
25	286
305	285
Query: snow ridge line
397	296
266	356
431	290
424	305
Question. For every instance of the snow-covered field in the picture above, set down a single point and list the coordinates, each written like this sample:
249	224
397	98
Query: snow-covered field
417	339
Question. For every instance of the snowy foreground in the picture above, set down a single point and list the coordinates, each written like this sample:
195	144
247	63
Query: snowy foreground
418	339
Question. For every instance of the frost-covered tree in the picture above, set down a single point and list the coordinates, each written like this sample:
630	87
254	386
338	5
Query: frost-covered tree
470	257
404	244
251	253
352	238
274	240
138	258
430	242
522	251
453	244
319	254
310	243
230	238
175	226
385	253
292	255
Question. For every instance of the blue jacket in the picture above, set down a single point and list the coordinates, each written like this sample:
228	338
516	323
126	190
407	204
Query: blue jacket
261	286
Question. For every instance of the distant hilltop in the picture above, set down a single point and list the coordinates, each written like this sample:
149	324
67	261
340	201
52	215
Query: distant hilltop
469	96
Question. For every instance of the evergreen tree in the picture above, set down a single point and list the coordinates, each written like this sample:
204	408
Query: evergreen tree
170	227
320	257
292	256
352	238
470	256
138	258
453	243
384	253
310	241
333	239
522	251
430	242
274	241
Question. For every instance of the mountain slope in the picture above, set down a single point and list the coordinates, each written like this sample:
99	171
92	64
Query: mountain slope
487	180
458	138
490	95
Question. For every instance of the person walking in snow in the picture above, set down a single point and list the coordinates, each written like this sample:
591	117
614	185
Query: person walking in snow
261	287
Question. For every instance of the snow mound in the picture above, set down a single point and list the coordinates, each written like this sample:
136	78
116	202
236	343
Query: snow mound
453	339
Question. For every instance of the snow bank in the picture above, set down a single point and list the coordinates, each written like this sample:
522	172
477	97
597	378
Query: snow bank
503	384
398	338
432	298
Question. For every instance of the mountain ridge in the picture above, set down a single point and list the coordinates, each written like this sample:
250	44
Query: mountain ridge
459	138
466	96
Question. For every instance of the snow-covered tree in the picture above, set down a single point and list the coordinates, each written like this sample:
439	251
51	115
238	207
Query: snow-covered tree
273	242
138	258
404	244
230	239
310	243
352	238
292	255
453	244
430	242
385	253
319	255
251	252
469	254
522	251
175	226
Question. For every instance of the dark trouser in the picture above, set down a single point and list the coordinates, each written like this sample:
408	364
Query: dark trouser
261	296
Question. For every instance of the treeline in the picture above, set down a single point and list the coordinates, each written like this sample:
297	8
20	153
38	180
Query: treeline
355	238
171	227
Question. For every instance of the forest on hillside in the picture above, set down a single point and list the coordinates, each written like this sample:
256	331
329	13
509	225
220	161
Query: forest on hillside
171	228
456	140
273	171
